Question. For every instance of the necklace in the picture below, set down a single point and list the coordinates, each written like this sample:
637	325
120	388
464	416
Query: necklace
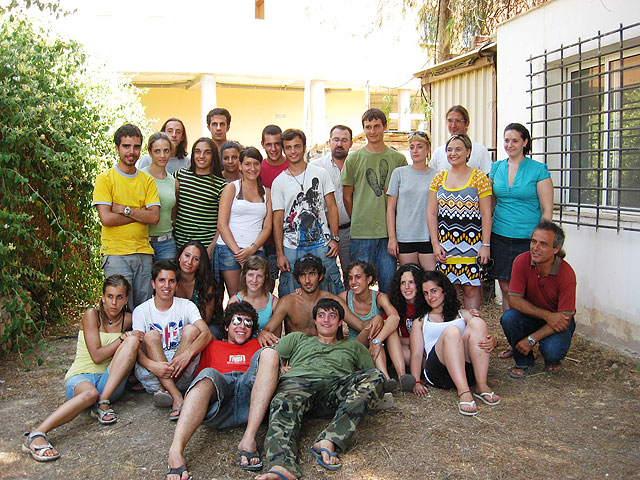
303	178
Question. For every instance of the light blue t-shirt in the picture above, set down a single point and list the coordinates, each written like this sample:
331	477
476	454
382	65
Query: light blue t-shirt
518	207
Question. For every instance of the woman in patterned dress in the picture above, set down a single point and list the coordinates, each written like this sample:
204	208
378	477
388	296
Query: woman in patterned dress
459	220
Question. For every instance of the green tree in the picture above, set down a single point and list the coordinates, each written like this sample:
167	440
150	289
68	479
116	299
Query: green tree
58	112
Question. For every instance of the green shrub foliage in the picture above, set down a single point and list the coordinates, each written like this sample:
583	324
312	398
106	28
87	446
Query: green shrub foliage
58	113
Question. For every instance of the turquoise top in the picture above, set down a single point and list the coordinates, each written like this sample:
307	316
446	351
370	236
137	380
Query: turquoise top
264	315
517	207
365	318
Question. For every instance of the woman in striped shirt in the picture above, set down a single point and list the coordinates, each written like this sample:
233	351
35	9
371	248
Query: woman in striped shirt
198	191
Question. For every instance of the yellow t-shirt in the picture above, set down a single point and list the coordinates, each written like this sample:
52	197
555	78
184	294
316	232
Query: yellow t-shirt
83	362
136	191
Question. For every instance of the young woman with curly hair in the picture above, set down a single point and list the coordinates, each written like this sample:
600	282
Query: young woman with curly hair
456	343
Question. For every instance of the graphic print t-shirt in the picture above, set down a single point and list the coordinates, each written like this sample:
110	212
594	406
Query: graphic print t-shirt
302	200
147	317
227	357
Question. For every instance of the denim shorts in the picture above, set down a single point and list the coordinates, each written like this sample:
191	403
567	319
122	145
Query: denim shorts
98	380
224	260
504	251
231	408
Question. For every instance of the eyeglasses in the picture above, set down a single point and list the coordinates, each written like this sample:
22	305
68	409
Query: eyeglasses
237	320
420	134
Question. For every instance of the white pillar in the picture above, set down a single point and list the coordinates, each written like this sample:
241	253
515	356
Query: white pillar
404	110
306	108
317	132
208	99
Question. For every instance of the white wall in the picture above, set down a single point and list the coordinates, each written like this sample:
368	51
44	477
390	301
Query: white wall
605	261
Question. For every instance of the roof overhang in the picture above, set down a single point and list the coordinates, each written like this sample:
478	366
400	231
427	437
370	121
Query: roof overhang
477	58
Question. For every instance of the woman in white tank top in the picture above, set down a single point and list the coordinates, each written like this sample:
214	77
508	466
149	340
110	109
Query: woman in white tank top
244	220
456	343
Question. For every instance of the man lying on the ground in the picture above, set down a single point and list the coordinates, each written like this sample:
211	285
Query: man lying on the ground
296	308
220	395
327	377
174	335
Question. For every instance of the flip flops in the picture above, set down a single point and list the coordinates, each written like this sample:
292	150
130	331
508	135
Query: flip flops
481	396
37	452
526	371
249	467
277	473
507	353
471	404
178	471
162	399
323	464
174	413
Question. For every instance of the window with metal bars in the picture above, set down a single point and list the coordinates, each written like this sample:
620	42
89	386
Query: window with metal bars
585	121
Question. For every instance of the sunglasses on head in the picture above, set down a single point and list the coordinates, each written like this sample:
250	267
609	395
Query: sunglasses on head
418	133
237	320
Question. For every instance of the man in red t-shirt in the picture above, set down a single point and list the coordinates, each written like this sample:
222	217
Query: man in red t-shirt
542	296
222	392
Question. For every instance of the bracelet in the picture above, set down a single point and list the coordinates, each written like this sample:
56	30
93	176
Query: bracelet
421	382
254	245
121	339
486	244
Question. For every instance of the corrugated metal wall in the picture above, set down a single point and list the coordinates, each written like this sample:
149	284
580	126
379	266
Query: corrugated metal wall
474	91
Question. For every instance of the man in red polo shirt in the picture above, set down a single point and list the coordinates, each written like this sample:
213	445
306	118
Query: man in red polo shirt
542	296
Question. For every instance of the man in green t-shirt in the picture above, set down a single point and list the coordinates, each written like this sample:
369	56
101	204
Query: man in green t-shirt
332	377
365	178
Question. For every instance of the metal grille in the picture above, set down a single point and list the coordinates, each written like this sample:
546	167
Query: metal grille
585	121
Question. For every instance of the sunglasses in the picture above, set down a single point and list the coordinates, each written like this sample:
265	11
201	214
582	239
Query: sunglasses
420	134
484	269
237	320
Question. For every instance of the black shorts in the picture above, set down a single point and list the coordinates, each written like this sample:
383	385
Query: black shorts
438	375
415	247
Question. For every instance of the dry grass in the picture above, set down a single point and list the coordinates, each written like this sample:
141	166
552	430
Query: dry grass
580	423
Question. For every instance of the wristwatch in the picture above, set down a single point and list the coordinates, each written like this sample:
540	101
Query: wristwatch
127	211
375	341
335	238
532	342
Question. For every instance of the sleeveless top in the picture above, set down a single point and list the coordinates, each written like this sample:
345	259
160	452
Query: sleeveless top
431	331
365	318
245	219
83	363
264	315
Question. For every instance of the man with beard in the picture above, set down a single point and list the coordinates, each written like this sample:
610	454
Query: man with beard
340	141
305	216
127	202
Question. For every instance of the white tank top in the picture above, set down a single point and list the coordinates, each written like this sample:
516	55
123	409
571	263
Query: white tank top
431	331
245	219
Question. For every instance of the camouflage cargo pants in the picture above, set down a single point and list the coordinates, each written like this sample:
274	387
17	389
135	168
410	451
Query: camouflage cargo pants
346	398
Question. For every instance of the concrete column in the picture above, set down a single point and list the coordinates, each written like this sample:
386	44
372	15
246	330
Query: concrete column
306	109
317	132
208	99
404	110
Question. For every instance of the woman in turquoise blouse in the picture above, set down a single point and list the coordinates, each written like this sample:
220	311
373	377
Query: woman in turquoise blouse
523	194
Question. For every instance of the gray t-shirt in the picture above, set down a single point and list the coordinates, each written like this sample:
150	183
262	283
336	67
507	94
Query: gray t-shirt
411	188
173	165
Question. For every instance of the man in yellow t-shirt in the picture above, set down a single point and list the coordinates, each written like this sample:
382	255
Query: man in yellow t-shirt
127	202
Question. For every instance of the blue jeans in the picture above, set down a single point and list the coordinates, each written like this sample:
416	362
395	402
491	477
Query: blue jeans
164	250
331	281
272	258
374	251
517	326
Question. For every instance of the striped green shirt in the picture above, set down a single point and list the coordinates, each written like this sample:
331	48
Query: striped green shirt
198	201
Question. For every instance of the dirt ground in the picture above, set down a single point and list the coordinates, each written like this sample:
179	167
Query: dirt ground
580	423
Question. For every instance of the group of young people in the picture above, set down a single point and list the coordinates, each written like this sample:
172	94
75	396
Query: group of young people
427	233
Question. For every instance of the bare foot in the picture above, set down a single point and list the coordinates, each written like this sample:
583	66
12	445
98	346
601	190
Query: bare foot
273	476
551	368
328	445
175	461
248	445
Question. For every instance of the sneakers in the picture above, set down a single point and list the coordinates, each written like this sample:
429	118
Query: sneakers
384	403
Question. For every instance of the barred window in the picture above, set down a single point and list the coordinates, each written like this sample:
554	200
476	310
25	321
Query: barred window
585	120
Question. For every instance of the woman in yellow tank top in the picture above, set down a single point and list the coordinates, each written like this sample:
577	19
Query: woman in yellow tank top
106	352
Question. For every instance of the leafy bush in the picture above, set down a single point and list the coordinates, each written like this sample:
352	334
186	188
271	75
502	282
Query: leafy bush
58	113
